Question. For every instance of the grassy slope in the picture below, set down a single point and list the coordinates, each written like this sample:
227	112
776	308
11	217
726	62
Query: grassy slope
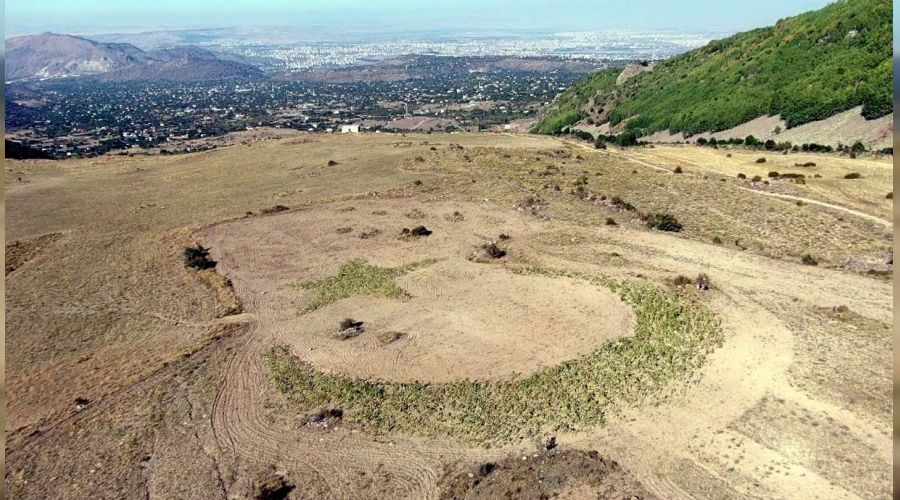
805	68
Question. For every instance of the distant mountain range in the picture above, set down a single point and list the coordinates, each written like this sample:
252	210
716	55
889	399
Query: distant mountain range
56	56
805	68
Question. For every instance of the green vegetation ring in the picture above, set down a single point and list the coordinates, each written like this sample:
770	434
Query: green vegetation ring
672	338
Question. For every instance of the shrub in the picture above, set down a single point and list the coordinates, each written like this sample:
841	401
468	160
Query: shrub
756	178
663	222
853	175
331	163
347	323
717	240
678	170
611	222
741	176
858	147
773	175
274	210
493	251
617	202
760	160
581	134
809	260
681	280
890	196
198	258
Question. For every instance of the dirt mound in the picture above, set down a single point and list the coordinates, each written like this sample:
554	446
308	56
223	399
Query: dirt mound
559	474
459	319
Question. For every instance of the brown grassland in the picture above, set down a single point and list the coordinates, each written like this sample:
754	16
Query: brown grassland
326	356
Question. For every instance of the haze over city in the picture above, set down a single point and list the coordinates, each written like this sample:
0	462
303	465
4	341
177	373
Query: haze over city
332	18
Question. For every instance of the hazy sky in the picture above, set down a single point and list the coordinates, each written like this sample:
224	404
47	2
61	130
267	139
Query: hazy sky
86	16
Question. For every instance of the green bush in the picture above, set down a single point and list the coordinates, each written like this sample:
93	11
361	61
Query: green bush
663	222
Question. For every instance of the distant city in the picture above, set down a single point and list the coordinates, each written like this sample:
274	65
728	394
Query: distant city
280	50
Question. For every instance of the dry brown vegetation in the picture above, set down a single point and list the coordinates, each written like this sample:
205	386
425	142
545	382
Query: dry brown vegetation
130	374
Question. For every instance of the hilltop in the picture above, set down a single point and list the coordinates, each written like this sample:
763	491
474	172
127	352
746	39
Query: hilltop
805	68
50	55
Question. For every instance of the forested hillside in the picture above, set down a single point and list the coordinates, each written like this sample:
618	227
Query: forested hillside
805	68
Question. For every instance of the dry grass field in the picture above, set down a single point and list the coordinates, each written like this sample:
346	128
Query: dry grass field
533	344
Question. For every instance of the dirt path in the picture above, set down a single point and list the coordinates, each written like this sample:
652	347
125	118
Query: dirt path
831	206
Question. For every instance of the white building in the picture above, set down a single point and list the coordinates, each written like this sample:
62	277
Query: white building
350	129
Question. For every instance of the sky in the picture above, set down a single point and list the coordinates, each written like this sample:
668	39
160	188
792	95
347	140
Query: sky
105	16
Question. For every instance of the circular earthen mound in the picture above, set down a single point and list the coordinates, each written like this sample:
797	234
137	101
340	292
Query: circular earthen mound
461	319
466	321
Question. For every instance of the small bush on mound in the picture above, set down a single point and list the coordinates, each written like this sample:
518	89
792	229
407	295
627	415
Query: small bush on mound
275	209
611	222
417	182
488	252
741	176
455	217
760	160
531	204
890	196
198	258
414	232
325	418
331	163
349	328
717	240
663	222
503	237
619	203
343	230
369	233
756	178
678	170
349	323
493	251
791	175
807	164
809	260
853	175
773	175
681	280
